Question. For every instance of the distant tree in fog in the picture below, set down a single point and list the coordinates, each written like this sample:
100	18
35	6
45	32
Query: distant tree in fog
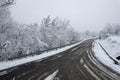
110	29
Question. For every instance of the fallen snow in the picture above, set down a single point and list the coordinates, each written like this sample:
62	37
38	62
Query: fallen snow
112	46
103	57
16	62
52	76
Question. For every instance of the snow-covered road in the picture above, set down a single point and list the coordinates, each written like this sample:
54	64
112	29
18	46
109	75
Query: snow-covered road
81	62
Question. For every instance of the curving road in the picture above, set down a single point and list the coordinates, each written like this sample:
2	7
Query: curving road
77	63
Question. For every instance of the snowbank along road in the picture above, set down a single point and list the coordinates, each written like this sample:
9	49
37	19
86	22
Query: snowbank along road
77	63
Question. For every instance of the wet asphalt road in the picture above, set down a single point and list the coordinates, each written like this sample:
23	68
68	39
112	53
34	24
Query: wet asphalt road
77	63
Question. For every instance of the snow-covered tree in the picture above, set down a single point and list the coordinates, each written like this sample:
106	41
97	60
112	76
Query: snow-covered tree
20	39
5	22
110	29
57	32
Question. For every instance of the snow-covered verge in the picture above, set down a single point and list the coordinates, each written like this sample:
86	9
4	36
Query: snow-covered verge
16	62
111	45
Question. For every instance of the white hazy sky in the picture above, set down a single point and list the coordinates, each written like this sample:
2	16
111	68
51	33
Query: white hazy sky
83	14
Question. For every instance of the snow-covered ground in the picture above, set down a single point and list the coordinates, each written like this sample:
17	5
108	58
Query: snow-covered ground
112	47
52	76
16	62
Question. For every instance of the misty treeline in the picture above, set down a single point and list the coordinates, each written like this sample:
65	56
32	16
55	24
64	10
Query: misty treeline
110	30
20	39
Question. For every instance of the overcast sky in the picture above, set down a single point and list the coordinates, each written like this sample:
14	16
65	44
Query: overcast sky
83	14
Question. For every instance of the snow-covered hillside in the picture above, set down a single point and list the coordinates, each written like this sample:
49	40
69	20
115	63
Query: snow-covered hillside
112	46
